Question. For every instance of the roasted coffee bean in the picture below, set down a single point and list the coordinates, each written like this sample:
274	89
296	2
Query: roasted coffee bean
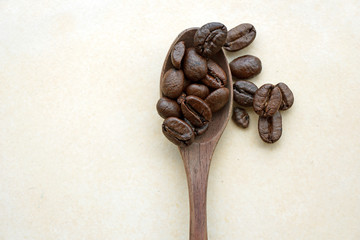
240	37
267	100
194	65
177	54
196	111
167	107
245	67
244	93
209	39
198	90
198	131
270	128
215	77
178	132
287	96
172	83
201	130
218	99
241	117
181	98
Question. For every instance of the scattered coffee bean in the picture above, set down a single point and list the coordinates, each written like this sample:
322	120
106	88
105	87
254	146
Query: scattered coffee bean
244	93
172	83
177	54
196	111
270	128
178	132
167	107
287	96
215	77
241	117
245	67
194	65
218	99
267	100
240	37
198	90
209	39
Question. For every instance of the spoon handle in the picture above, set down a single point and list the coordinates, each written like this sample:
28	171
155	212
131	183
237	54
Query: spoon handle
197	158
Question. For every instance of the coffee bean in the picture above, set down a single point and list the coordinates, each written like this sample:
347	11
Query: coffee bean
267	100
218	99
181	98
240	37
209	39
287	96
245	67
215	77
167	107
196	111
199	130
172	83
241	117
194	65
178	132
177	54
244	93
270	128
198	90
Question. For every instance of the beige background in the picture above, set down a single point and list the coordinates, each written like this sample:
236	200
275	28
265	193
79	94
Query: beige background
82	155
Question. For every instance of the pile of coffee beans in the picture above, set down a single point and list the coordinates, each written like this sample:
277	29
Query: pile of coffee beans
195	87
266	100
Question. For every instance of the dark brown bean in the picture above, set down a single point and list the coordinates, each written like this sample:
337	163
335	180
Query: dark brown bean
181	98
267	100
245	67
177	54
194	65
209	39
287	96
198	90
196	111
240	37
199	130
240	117
172	83
218	99
215	77
270	128
178	132
244	93
167	107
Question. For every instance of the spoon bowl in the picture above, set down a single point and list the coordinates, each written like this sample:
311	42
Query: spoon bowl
221	117
197	156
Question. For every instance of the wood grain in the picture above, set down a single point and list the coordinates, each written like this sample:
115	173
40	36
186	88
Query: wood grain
197	158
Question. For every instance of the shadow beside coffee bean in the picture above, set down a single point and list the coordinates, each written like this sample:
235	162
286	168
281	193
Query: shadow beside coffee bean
195	87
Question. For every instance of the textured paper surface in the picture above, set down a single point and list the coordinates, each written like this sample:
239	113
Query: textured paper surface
82	155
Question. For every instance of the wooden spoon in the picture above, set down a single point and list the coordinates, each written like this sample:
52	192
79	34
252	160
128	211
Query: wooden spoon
197	156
